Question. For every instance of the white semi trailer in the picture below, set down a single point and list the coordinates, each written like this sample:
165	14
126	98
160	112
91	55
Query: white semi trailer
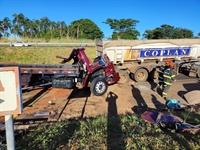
139	59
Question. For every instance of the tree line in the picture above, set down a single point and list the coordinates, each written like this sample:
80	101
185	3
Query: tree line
44	28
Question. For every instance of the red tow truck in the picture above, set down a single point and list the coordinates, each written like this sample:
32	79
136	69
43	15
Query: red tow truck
81	74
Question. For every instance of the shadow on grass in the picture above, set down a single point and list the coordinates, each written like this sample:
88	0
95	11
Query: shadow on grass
115	140
182	138
48	136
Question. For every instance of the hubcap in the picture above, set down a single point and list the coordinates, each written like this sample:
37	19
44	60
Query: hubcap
141	75
122	78
100	87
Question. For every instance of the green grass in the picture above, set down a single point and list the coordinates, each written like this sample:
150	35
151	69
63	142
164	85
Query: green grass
39	55
127	132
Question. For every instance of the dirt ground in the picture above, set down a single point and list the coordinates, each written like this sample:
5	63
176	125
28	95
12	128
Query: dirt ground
125	98
119	99
61	104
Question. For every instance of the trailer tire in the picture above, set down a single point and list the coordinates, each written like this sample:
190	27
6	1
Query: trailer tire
141	75
98	86
124	76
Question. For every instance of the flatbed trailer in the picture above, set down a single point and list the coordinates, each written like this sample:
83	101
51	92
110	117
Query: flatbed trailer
33	73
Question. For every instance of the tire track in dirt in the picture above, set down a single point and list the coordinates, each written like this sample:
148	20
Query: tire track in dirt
81	103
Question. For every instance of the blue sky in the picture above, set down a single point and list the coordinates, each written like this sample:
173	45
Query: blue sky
149	13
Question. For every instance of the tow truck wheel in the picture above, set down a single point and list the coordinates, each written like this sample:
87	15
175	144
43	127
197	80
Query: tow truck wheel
98	86
141	75
124	76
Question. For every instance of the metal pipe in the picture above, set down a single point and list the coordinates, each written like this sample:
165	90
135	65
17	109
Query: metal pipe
10	138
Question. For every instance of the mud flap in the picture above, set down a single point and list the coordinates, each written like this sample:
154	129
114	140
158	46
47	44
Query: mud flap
192	74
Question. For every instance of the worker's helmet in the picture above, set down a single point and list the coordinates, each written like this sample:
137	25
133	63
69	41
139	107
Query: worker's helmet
167	61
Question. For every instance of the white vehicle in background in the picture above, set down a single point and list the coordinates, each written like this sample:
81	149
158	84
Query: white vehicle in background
19	43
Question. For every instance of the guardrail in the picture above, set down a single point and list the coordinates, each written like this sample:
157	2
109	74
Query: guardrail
59	44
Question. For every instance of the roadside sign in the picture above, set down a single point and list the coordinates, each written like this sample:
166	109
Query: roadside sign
10	91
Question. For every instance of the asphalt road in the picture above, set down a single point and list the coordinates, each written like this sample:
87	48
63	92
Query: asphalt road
181	76
77	44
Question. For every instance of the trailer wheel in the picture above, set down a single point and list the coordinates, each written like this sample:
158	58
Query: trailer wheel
124	76
98	86
141	75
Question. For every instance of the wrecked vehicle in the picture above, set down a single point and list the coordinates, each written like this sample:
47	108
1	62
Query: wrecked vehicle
81	74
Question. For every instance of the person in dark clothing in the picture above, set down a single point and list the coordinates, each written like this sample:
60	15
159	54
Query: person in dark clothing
160	78
166	77
160	75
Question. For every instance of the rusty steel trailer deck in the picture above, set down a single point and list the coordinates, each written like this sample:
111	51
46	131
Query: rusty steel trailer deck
40	105
44	103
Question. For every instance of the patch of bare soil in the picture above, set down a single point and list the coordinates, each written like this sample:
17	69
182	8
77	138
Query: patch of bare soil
123	98
120	99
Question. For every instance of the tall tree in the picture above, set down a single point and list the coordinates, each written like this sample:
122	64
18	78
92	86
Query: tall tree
30	26
45	23
168	32
5	24
1	29
61	26
76	27
15	30
198	35
158	33
121	26
26	26
52	26
187	33
148	34
85	28
177	34
18	21
130	34
38	27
